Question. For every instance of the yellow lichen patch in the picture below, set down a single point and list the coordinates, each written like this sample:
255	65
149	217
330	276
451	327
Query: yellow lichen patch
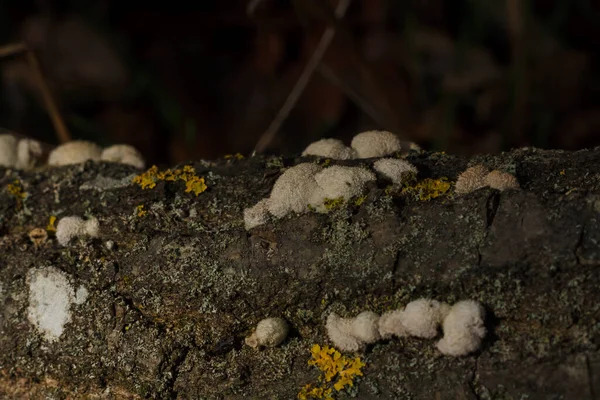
187	174
16	190
140	210
332	204
428	189
196	185
562	172
50	227
237	156
332	364
312	392
359	200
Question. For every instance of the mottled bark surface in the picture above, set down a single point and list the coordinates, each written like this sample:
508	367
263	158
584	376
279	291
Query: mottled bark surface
171	301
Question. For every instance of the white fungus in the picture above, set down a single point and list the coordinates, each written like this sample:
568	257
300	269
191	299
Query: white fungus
365	327
390	324
398	171
463	329
69	228
422	317
50	298
340	182
293	190
375	144
256	215
330	148
269	332
20	154
501	180
352	334
471	179
74	152
339	331
124	154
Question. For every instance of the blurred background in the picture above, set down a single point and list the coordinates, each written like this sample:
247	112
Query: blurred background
188	80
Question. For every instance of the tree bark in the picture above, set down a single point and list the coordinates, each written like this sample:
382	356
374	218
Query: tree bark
175	286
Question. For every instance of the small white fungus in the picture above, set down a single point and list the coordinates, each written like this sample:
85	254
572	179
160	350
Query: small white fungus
390	324
69	228
463	329
422	317
375	144
256	215
293	190
330	148
352	334
20	154
124	154
501	180
269	332
365	327
471	179
339	331
340	182
50	298
398	171
74	152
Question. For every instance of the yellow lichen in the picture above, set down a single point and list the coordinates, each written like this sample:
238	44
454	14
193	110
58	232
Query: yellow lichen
562	172
332	364
140	210
50	227
237	156
16	190
428	189
359	200
332	204
187	174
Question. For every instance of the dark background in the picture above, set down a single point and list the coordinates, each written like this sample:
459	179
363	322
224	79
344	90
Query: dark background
188	80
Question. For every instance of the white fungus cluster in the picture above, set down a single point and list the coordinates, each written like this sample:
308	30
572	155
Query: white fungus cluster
478	176
124	154
339	182
19	153
79	151
305	185
69	228
462	324
269	332
364	145
330	148
396	170
352	334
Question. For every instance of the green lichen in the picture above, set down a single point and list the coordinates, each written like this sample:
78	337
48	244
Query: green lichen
428	189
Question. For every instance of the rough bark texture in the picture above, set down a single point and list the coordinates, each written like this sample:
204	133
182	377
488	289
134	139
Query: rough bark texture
171	302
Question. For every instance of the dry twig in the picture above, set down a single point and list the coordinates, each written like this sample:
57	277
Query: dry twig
51	108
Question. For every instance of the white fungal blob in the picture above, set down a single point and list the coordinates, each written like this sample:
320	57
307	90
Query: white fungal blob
50	298
339	331
365	327
375	144
8	151
257	215
124	154
471	179
293	190
398	171
74	152
463	329
339	181
269	332
390	324
330	148
69	228
501	180
20	154
422	317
